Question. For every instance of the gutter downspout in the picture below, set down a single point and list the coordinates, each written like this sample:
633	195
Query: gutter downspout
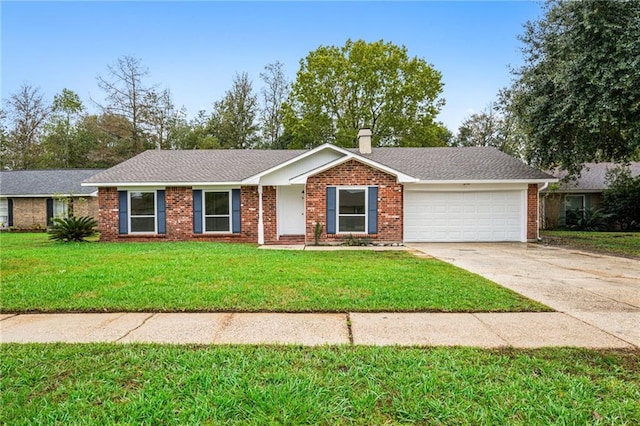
544	209
260	220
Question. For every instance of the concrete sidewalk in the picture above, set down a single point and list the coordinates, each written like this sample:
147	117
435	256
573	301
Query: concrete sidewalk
487	330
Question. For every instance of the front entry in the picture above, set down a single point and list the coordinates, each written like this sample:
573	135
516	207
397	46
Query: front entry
291	210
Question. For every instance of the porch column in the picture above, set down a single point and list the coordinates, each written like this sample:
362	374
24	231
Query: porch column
260	221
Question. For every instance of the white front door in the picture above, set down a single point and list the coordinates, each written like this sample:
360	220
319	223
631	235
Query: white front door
291	210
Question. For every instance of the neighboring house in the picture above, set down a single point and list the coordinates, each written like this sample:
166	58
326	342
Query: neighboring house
275	196
583	192
30	199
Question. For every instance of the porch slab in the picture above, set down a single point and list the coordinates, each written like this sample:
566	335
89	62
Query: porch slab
288	329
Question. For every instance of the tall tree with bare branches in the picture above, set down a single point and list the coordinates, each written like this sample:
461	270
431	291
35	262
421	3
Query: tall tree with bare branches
25	116
125	94
274	94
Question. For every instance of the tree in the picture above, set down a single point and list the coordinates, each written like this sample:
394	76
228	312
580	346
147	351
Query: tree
578	93
106	139
339	90
274	94
494	126
60	141
126	93
159	116
25	115
622	198
234	117
195	134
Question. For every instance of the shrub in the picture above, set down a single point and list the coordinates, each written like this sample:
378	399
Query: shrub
622	198
73	228
588	220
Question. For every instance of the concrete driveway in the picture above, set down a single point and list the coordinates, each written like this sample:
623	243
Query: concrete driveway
603	291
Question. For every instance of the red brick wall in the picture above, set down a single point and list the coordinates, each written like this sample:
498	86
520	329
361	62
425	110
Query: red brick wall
532	212
269	214
352	172
179	216
179	212
108	213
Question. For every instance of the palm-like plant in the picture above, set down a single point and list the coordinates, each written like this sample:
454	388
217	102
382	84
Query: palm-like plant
73	228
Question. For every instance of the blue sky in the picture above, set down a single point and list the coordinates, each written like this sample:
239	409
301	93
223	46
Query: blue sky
194	48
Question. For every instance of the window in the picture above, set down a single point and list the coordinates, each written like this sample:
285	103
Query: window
142	212
60	208
352	210
217	211
4	213
573	209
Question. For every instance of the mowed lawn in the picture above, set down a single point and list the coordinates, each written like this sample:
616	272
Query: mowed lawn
615	243
154	384
43	276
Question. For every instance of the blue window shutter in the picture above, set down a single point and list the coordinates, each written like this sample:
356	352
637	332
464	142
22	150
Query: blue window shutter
235	211
372	210
331	209
49	211
161	218
123	213
197	211
10	206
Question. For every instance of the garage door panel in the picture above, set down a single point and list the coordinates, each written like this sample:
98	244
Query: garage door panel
463	216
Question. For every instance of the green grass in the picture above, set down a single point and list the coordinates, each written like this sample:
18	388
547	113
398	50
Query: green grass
153	384
616	243
42	276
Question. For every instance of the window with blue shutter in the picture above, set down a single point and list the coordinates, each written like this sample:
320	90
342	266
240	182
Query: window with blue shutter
160	209
123	216
331	210
197	211
372	210
235	211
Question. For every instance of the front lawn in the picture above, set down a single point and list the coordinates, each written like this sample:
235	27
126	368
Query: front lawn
154	384
615	243
42	276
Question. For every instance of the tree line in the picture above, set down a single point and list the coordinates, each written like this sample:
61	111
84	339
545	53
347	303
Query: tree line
338	90
575	99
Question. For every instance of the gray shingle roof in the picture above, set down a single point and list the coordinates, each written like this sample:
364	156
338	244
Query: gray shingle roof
194	166
462	164
46	182
459	163
592	177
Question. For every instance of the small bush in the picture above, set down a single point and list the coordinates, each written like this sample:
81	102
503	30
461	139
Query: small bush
73	229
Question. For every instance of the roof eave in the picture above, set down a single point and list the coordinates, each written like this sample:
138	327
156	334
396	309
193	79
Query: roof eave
485	181
160	184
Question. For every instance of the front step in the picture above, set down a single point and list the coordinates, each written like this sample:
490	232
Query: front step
288	239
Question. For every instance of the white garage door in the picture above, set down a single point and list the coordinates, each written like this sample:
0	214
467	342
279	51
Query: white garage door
464	216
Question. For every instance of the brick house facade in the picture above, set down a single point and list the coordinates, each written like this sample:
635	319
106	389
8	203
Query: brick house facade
384	195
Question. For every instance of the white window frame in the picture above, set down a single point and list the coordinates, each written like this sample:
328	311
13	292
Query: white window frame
155	212
61	204
205	215
4	208
366	210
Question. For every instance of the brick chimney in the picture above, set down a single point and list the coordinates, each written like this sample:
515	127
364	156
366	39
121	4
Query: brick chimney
364	141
